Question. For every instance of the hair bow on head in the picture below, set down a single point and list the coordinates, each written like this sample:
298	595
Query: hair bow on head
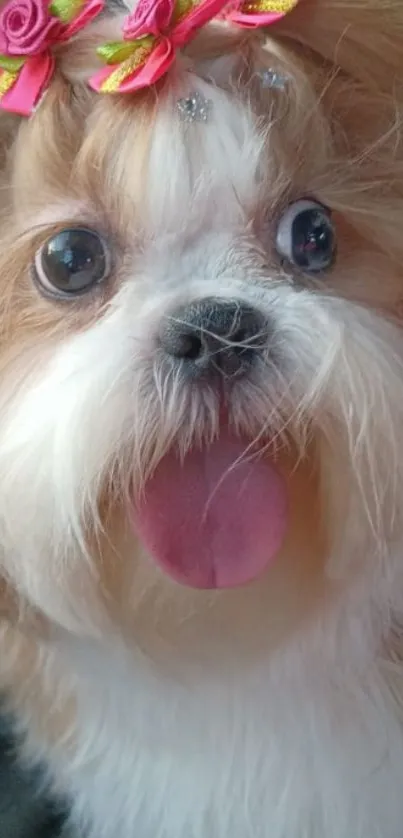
157	28
151	36
28	31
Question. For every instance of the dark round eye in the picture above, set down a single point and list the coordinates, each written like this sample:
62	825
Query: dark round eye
306	236
72	262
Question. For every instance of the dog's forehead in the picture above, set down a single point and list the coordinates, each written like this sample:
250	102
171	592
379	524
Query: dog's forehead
198	168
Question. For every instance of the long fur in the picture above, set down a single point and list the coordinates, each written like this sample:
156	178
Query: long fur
273	711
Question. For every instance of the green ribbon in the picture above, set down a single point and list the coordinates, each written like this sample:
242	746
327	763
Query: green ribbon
12	64
117	51
65	10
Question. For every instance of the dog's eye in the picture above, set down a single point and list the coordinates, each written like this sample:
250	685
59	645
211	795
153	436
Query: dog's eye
72	262
306	236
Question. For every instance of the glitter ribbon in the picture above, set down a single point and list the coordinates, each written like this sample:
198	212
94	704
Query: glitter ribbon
139	53
256	13
7	80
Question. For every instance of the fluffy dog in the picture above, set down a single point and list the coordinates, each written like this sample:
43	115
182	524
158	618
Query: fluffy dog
201	433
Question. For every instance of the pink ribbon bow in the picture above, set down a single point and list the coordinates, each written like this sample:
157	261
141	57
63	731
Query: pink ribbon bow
28	31
151	36
157	28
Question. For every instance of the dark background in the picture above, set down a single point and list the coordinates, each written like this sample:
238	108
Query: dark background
25	810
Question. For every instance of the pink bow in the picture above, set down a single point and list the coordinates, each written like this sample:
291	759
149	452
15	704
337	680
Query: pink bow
28	31
151	36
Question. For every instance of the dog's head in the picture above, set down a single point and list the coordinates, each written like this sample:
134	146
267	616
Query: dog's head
201	360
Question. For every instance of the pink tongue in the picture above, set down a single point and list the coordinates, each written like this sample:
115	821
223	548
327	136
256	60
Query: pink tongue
213	522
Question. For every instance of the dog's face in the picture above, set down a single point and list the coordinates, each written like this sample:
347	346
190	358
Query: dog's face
201	384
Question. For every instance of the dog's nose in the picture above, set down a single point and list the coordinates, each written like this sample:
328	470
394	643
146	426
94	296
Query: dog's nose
214	335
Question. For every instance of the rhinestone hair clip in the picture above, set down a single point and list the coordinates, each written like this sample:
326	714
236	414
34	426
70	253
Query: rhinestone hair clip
194	108
273	79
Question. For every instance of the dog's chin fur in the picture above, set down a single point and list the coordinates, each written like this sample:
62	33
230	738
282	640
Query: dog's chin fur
273	711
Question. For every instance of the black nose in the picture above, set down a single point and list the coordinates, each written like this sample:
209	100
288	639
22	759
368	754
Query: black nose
214	334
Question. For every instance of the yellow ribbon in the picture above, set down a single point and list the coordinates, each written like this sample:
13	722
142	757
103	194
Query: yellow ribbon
140	50
7	80
117	51
181	9
281	7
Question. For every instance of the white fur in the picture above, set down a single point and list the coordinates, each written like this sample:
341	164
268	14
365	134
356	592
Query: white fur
301	742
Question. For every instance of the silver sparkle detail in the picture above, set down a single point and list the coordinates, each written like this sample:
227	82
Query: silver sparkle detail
194	108
273	79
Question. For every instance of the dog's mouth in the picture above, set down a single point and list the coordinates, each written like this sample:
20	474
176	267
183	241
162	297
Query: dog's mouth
215	519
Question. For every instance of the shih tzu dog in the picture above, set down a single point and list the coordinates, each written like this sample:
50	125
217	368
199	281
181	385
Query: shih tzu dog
201	413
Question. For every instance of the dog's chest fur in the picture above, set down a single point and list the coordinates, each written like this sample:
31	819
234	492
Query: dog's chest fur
290	750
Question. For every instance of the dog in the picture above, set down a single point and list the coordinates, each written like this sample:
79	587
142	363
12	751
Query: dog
201	432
